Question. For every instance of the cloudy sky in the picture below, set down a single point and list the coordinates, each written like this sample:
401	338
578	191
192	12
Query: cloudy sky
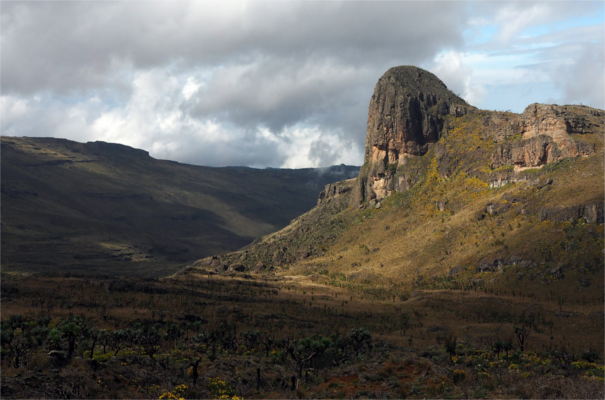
280	84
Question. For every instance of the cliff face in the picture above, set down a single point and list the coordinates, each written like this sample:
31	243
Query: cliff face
545	131
411	110
405	117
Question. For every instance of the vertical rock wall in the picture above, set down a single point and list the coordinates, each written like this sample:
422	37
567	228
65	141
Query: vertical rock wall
405	117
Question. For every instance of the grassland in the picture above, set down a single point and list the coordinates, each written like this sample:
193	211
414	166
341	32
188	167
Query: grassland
238	331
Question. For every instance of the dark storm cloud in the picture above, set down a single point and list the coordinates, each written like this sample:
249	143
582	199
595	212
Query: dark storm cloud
79	45
259	65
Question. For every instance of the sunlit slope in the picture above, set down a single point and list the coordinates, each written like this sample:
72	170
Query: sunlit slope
450	230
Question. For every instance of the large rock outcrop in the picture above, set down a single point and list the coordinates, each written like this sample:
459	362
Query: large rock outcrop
335	190
408	113
545	137
405	117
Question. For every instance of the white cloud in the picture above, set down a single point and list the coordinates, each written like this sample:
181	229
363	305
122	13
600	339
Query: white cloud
451	67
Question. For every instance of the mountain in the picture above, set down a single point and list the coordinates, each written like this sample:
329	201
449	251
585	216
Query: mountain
464	261
97	206
448	191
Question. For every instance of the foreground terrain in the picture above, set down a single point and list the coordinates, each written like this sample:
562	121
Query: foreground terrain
250	336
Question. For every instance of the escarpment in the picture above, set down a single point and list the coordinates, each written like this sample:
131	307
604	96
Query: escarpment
411	110
545	132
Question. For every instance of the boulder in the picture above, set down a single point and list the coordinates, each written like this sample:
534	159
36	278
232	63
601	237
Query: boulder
302	254
591	213
237	268
259	267
57	359
477	282
557	272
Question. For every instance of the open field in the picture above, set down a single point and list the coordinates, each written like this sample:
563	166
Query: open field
212	319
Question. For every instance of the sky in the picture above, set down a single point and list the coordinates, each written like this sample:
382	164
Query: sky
276	84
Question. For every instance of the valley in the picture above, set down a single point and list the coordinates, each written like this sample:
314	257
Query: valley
107	208
465	260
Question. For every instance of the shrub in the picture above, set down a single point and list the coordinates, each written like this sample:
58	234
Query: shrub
177	394
220	388
38	361
459	376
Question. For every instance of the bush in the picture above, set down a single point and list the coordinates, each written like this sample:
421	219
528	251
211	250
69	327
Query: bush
38	362
459	376
590	356
220	388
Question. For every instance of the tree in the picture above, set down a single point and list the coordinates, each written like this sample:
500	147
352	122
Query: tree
340	348
94	335
13	339
71	330
54	339
450	342
173	333
267	340
149	339
522	333
117	339
251	338
507	345
209	339
103	312
304	350
361	339
498	347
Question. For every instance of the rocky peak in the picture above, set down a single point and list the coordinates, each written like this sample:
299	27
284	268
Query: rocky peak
405	114
335	190
552	120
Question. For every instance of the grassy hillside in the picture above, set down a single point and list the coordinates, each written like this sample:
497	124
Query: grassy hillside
103	207
477	259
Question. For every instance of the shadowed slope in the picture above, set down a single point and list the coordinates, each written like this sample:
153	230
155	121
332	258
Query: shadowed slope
68	205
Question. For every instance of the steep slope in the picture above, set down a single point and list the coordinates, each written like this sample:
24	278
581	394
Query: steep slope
479	199
107	207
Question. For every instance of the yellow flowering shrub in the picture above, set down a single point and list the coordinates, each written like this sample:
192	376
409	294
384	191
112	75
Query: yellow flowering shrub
221	389
177	394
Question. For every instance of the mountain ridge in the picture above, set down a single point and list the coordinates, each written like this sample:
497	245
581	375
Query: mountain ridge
74	206
440	175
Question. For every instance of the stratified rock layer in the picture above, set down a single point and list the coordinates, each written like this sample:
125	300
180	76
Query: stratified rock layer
545	131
